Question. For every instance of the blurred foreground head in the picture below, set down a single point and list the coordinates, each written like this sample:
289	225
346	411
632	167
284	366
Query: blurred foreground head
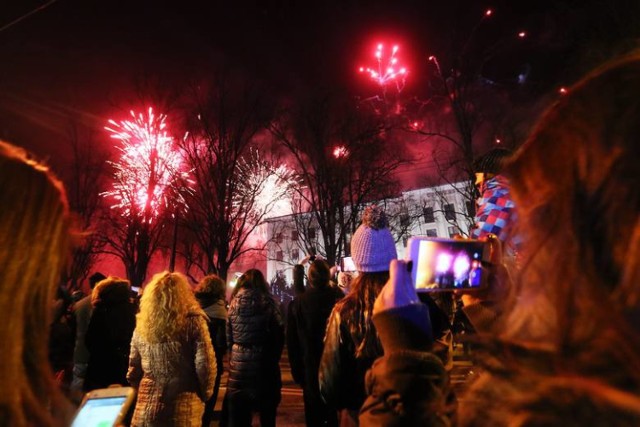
576	185
34	231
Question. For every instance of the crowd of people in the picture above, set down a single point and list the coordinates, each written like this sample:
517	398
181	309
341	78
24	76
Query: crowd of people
556	332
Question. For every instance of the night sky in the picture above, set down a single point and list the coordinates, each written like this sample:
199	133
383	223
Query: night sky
77	61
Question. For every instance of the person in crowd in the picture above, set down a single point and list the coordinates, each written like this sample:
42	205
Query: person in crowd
35	235
255	335
495	208
567	351
82	313
210	294
61	339
351	342
306	325
109	333
172	362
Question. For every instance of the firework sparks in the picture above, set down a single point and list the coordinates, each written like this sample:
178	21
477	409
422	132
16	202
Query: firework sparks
149	167
340	152
388	68
263	186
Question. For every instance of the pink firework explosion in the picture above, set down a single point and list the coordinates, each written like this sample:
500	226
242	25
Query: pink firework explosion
388	68
149	169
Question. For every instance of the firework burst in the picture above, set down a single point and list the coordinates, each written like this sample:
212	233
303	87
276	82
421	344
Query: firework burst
388	69
149	170
263	186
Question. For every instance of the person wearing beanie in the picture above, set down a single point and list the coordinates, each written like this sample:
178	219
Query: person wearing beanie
351	342
306	326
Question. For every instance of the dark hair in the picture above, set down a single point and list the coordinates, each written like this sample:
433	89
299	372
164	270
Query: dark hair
95	278
252	279
319	274
492	161
112	290
298	279
364	290
212	287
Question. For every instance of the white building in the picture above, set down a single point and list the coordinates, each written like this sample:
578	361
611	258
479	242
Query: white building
440	211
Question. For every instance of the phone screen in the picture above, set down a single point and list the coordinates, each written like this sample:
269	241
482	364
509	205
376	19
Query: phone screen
99	412
446	265
347	264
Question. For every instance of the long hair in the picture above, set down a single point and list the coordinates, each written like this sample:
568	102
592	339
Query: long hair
34	231
166	303
252	279
576	185
359	304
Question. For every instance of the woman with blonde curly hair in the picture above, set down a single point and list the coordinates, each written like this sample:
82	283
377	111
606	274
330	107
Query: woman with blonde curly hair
172	362
34	231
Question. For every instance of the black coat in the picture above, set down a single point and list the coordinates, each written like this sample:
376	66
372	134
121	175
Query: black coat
255	335
306	326
342	375
108	340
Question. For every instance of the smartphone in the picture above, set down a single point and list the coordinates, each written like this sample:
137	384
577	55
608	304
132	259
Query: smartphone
104	407
447	264
347	265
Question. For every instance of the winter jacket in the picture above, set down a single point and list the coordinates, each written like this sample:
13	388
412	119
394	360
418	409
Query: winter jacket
173	378
306	326
255	335
341	374
216	312
108	340
409	385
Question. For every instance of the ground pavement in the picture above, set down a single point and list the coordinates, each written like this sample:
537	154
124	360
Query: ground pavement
291	409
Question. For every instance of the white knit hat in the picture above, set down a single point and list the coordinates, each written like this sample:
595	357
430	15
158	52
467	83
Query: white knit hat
372	246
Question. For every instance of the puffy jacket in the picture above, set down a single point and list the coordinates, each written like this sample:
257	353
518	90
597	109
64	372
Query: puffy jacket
255	335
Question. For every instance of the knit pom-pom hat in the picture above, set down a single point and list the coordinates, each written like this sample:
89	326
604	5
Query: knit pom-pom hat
372	246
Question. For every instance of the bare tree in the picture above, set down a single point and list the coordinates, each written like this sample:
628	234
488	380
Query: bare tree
84	179
343	159
227	204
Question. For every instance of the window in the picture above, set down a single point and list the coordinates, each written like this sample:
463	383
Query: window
471	208
404	221
449	212
311	233
279	256
294	235
452	231
295	255
432	232
278	238
428	215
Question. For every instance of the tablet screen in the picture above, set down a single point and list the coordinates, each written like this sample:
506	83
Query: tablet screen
99	412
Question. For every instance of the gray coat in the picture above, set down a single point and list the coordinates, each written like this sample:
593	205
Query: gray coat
173	379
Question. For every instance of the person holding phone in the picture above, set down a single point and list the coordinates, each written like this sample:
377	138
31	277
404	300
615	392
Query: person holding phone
567	351
172	362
